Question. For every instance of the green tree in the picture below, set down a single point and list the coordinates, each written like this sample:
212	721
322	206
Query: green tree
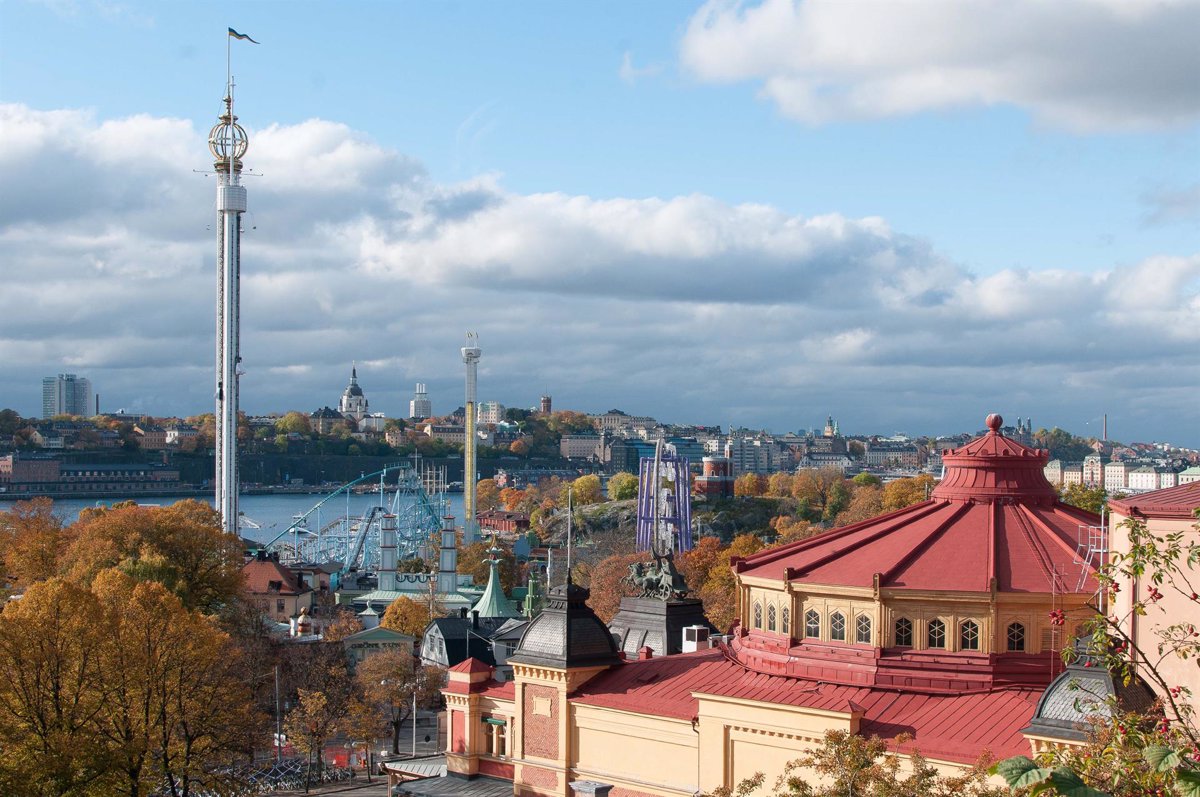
837	500
10	421
1090	498
622	486
865	479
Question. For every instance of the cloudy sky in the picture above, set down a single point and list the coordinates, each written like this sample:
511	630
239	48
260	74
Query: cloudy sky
903	214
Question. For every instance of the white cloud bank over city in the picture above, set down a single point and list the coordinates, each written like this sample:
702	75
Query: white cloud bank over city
1082	65
686	308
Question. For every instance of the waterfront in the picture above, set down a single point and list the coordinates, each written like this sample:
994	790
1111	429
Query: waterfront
273	513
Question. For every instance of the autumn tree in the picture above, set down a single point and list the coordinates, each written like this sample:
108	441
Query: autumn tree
487	495
790	529
866	503
52	692
149	692
750	485
622	486
409	616
344	623
475	560
362	725
906	492
181	546
31	539
294	422
584	491
515	500
719	590
697	564
779	485
310	724
607	585
389	680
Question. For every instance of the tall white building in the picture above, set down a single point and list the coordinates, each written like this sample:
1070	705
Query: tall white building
420	407
66	394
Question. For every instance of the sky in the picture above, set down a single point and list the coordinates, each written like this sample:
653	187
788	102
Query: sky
905	215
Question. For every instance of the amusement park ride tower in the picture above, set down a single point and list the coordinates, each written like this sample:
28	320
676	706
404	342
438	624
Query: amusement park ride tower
228	142
470	354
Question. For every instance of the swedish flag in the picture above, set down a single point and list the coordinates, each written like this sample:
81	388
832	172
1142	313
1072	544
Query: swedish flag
237	35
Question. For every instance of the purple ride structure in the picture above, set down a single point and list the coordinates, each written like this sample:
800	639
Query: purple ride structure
664	518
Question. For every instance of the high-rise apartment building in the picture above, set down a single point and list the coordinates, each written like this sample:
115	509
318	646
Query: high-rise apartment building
66	394
420	407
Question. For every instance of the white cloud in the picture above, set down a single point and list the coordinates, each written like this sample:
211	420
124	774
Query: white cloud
684	307
631	74
1078	64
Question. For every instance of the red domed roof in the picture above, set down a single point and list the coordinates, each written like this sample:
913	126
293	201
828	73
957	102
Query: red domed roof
996	468
993	519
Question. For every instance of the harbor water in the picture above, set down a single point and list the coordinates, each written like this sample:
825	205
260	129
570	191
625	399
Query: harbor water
273	513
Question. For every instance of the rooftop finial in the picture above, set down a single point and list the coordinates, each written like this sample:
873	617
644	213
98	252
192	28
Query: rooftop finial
994	422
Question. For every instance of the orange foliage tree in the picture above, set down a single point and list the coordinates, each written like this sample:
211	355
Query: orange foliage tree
607	586
906	492
750	485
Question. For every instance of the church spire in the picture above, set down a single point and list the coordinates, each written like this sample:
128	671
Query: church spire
493	603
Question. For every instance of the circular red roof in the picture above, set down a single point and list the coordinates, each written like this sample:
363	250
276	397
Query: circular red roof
995	468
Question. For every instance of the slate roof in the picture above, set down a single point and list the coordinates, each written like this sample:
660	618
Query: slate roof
567	633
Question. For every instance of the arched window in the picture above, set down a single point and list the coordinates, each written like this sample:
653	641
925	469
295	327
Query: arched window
837	627
812	623
936	637
757	614
1016	638
862	630
904	632
771	617
787	621
968	635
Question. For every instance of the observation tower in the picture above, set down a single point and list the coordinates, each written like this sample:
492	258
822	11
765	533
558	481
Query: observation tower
471	353
227	142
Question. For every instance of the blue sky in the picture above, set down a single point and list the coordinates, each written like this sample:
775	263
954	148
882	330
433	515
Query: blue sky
1048	154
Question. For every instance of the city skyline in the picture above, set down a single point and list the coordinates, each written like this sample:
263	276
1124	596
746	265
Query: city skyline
657	209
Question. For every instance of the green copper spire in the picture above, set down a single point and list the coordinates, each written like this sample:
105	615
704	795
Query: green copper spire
493	603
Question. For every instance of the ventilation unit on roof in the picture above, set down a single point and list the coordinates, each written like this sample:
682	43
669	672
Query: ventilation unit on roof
695	637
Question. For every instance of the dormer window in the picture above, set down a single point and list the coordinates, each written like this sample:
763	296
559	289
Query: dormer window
757	615
771	618
837	627
936	636
787	621
968	635
862	630
904	632
812	624
1016	638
